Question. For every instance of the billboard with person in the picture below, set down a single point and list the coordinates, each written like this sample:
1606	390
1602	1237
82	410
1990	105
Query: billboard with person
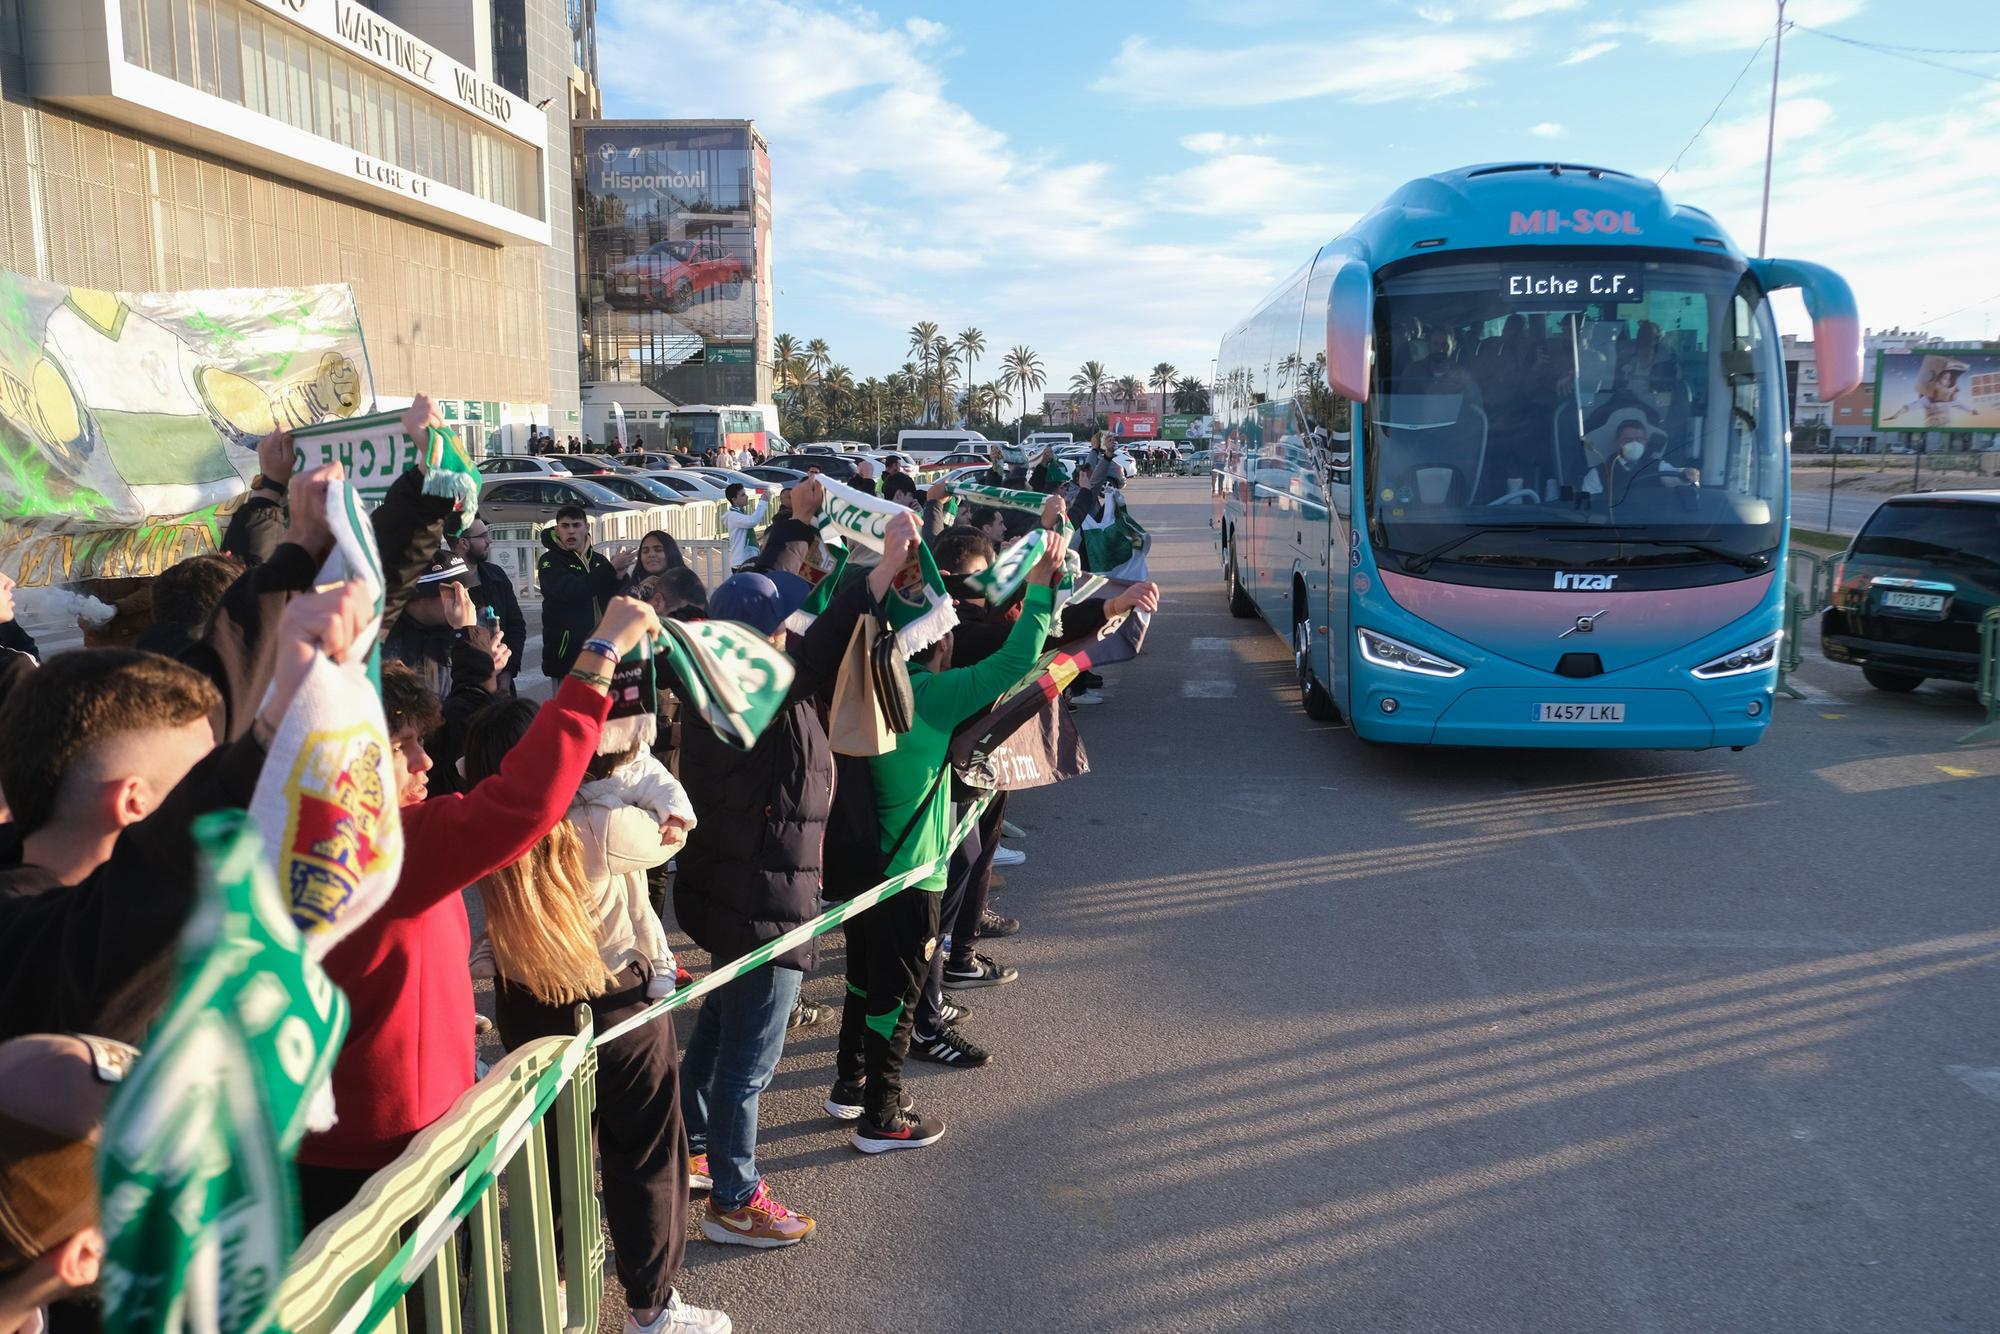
1938	389
1135	425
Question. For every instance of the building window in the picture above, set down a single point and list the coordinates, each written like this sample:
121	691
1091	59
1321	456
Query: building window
226	49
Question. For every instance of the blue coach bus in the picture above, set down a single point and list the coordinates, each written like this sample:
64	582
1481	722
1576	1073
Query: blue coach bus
1506	464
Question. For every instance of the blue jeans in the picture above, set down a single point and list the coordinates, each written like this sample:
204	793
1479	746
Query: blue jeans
738	1037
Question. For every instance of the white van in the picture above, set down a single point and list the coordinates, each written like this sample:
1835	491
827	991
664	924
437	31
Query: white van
932	443
1037	441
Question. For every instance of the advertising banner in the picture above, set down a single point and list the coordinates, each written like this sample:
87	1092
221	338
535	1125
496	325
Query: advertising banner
128	420
1186	426
1938	389
1135	425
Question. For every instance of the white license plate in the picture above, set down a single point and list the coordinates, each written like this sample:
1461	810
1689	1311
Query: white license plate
1914	601
1580	713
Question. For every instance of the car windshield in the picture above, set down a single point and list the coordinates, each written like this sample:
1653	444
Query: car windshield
593	494
1938	531
1637	401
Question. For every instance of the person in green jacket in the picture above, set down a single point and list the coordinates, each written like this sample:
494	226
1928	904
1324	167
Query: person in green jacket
889	947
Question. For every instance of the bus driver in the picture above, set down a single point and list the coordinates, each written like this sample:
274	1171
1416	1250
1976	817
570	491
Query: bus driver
1622	446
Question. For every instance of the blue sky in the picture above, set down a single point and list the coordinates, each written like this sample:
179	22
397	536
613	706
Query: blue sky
1120	181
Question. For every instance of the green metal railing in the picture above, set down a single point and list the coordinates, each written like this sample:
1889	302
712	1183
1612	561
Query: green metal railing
1802	599
355	1271
1989	680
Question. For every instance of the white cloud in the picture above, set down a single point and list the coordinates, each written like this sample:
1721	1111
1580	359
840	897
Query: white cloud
1590	51
1374	67
1725	23
1210	143
1497	11
1549	129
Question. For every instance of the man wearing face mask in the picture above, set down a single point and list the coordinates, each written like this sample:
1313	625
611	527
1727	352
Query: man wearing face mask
1623	443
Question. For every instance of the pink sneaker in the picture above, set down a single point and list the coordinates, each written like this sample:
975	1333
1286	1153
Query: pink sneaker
761	1222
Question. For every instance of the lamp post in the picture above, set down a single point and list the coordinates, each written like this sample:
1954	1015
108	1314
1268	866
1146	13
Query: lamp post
1771	133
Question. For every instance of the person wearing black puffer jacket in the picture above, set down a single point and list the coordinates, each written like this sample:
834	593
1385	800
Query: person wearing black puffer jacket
750	872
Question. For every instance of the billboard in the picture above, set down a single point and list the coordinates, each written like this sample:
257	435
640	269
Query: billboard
1187	426
1938	389
676	255
129	421
1135	425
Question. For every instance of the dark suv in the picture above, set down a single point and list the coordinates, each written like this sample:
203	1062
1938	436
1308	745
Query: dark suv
1909	592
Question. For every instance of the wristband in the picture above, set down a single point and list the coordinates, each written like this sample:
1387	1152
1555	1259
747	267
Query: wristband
598	679
602	647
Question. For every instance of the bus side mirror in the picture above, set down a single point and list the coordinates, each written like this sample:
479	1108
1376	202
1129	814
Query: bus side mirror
1835	315
1350	329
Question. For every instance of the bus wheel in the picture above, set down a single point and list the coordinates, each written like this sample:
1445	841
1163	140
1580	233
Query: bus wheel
1240	605
1312	695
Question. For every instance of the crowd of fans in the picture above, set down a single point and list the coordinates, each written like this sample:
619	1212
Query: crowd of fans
577	833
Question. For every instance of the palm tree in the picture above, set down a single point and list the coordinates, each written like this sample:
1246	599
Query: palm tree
1190	395
1023	372
1092	379
923	344
869	397
837	383
784	357
971	345
1162	379
1128	390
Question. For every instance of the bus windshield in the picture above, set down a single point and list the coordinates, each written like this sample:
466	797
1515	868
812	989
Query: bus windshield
1636	398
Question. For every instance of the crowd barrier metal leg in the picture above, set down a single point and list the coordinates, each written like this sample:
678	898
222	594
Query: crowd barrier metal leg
1989	681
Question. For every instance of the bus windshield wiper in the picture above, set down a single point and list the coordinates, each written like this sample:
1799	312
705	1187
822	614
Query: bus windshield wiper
1419	563
1739	560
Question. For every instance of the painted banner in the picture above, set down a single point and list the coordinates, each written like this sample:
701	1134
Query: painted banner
1135	425
1938	389
129	421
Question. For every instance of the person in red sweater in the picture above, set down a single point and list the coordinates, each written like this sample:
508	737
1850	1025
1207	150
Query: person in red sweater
409	1049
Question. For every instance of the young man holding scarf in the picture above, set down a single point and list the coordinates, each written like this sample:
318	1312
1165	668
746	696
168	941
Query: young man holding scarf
889	948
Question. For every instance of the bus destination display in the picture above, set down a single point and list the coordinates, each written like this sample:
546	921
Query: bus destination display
1571	284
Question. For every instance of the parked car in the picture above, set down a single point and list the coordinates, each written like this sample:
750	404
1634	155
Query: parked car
1909	591
784	477
669	273
642	490
840	467
939	441
963	458
536	499
519	465
686	483
832	447
587	465
723	477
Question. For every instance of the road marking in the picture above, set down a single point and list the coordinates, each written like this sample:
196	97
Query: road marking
1222	689
1836	717
1985	1081
1956	772
1811	694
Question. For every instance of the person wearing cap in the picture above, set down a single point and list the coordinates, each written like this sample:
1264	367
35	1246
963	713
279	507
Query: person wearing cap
493	590
751	871
53	1091
440	611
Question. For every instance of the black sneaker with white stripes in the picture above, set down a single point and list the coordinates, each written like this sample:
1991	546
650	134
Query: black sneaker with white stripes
979	971
950	1047
954	1010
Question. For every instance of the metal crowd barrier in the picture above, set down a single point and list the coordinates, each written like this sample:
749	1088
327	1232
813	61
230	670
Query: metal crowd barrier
696	528
1989	680
1802	599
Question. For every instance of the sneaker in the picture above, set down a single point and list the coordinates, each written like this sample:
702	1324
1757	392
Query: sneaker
909	1131
1086	697
805	1014
1089	680
954	1010
677	1317
661	984
949	1047
761	1222
992	926
698	1177
1008	829
1006	856
481	1025
845	1102
980	971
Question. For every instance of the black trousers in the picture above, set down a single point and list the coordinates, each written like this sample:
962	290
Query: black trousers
979	882
951	903
889	950
639	1132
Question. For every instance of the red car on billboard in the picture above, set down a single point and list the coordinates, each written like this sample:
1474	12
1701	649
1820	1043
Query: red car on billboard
670	273
1135	425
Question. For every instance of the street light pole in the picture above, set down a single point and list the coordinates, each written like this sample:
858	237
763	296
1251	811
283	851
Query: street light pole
1771	132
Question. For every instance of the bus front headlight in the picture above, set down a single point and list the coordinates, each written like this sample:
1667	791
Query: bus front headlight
1384	651
1740	662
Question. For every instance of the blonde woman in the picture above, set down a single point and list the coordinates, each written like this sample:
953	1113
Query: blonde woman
567	926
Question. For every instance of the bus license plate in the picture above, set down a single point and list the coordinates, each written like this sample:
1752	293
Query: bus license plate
1580	713
1914	601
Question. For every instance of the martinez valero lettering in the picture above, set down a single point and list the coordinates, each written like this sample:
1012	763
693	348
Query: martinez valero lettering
368	33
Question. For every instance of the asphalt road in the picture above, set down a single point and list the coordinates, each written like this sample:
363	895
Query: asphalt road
1314	1036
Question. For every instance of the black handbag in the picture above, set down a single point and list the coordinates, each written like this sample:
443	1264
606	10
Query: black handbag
891	677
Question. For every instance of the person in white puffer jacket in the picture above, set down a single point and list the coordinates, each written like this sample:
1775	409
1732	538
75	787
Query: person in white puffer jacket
631	820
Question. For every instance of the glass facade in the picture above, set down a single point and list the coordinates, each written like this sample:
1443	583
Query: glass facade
674	234
230	49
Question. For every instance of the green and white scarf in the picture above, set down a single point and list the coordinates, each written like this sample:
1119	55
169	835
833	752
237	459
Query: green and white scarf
200	1215
1000	581
918	607
735	678
822	596
1001	497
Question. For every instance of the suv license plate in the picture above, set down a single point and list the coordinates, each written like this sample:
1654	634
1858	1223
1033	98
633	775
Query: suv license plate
1580	713
1913	601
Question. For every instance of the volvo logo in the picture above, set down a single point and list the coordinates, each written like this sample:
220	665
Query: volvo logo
1588	582
1584	625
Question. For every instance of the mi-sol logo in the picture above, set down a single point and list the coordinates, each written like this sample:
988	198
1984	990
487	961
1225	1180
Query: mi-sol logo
1582	221
1595	583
